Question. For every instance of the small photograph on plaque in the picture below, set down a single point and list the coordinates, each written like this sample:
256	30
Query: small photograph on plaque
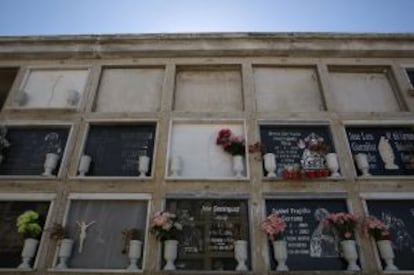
118	150
296	152
382	151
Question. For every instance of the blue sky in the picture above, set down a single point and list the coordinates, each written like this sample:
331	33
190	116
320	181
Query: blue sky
49	17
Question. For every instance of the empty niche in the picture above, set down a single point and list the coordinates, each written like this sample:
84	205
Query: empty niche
364	89
287	89
205	88
194	152
130	89
52	88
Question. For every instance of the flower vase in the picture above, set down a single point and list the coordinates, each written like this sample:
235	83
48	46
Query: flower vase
175	166
350	254
170	254
270	164
280	254
362	164
134	254
238	166
65	251
143	166
240	254
84	165
28	252
50	164
387	254
333	165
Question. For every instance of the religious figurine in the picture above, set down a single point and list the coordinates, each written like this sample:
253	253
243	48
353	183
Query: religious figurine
387	154
82	233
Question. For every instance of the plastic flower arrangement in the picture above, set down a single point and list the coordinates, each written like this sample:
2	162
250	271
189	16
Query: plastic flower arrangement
165	226
375	228
28	224
233	145
343	224
273	226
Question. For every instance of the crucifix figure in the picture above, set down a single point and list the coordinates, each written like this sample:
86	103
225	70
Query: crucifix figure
82	233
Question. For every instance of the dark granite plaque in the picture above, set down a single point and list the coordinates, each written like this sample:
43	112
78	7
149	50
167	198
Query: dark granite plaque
28	148
115	149
398	215
390	150
311	246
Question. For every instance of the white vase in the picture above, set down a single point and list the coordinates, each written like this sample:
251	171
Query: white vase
270	164
333	164
143	166
134	254
241	254
362	163
280	253
387	254
350	254
65	251
176	166
50	164
28	252
238	166
170	254
84	164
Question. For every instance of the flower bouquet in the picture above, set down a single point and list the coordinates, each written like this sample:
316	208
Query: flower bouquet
231	144
165	226
376	229
28	224
274	226
166	229
343	224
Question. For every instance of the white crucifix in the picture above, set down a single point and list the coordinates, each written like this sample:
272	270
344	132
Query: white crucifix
83	226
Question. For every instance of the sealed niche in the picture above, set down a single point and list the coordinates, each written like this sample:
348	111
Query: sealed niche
130	89
287	89
119	150
32	151
298	152
52	88
212	228
310	244
11	241
382	151
207	150
398	217
102	231
208	89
